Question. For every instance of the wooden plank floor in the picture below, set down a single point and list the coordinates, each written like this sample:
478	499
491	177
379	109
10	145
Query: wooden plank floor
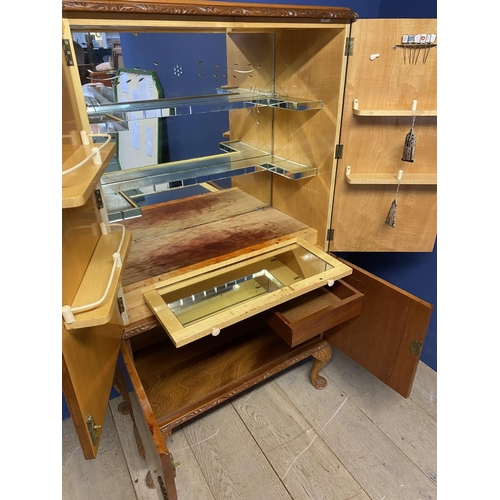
356	438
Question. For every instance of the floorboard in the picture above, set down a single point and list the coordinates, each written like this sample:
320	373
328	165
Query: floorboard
412	429
283	440
190	481
296	449
136	465
106	477
365	450
424	391
231	461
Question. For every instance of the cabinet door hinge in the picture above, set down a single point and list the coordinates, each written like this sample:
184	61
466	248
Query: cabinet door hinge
349	46
329	235
93	428
67	52
416	347
98	198
339	150
163	489
121	305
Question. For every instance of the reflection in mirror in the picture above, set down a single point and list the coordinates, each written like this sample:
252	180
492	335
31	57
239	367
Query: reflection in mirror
181	65
176	91
189	112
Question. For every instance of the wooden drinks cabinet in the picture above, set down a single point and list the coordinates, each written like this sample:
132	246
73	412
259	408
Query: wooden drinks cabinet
219	289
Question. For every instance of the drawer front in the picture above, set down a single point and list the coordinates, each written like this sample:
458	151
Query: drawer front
210	300
312	314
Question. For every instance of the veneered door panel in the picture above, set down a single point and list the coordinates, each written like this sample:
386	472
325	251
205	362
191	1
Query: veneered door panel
386	338
89	357
384	85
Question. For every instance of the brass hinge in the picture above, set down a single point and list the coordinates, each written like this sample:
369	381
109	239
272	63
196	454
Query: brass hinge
92	428
329	235
67	52
162	488
349	46
121	305
416	347
98	198
339	150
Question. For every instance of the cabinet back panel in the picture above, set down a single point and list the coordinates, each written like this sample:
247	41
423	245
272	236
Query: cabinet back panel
253	126
310	64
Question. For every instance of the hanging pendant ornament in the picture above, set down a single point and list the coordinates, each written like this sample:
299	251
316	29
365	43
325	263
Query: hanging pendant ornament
391	216
410	140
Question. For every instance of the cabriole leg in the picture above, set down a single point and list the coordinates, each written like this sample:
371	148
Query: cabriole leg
321	359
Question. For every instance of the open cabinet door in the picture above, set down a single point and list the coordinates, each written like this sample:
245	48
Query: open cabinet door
149	439
89	354
387	337
384	79
89	357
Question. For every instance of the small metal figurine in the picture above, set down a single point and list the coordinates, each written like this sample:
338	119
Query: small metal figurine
410	140
391	216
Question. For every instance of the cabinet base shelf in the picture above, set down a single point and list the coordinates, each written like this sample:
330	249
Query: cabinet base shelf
199	381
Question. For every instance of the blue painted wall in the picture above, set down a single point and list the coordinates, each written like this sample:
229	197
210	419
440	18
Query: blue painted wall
398	9
414	272
186	65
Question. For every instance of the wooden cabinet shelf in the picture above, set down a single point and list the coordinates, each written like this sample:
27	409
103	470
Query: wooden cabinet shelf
384	179
180	385
95	281
390	112
77	186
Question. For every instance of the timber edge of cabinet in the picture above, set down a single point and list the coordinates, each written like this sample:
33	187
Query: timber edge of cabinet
358	314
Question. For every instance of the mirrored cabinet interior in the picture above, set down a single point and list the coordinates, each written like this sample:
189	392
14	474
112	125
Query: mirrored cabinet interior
215	157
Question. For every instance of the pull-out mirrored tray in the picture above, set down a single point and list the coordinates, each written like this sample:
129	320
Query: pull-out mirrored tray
207	302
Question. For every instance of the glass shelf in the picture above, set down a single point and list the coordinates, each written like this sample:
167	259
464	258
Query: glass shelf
120	206
118	114
239	159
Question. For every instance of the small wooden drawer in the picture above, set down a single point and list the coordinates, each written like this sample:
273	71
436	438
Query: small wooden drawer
302	318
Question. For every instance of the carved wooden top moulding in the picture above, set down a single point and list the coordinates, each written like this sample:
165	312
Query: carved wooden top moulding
195	8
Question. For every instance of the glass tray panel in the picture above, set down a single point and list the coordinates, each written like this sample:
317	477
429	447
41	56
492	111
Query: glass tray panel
214	294
222	297
211	301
